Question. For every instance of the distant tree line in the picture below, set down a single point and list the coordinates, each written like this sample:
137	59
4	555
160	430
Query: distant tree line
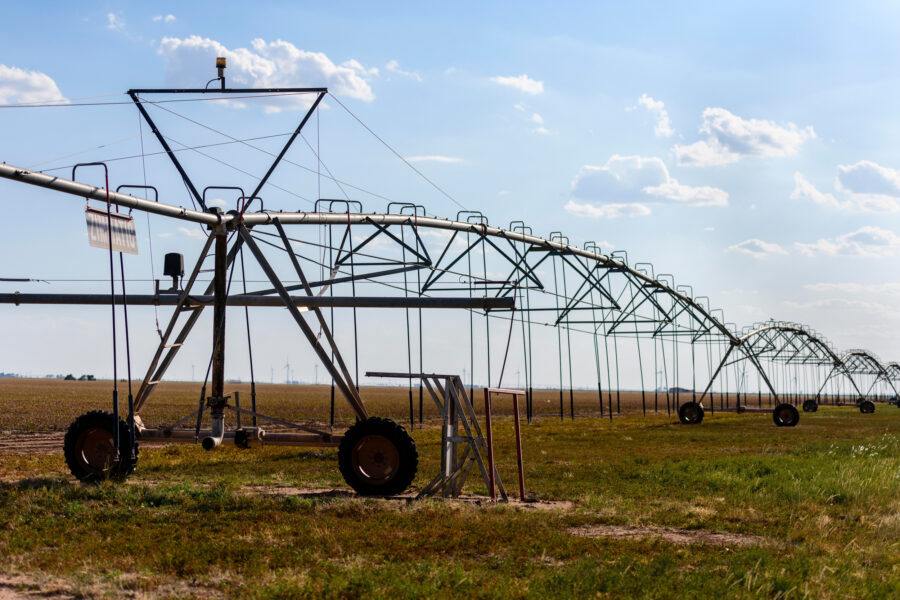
48	376
71	377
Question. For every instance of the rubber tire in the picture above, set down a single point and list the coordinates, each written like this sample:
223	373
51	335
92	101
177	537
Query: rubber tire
867	407
810	406
98	419
241	439
394	433
690	413
785	415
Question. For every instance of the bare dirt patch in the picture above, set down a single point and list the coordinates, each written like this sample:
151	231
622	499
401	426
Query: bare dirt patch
18	587
673	535
22	444
25	586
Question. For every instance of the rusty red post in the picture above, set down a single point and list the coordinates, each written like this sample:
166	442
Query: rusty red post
519	448
490	444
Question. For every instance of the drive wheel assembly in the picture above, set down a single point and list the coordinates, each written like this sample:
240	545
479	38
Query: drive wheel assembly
89	448
690	413
867	407
810	406
785	415
377	457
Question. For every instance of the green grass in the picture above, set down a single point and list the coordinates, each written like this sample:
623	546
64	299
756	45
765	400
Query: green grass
190	523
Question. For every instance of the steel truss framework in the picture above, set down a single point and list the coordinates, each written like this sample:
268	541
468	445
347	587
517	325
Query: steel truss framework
544	282
796	349
507	274
877	381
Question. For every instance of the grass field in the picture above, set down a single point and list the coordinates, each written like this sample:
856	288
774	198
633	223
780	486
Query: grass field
640	507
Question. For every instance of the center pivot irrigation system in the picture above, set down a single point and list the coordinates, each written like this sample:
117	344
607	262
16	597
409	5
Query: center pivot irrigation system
543	299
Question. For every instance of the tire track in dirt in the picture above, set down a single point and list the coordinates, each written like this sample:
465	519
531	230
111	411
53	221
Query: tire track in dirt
20	444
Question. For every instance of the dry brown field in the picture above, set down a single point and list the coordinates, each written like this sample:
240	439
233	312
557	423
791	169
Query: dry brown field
51	404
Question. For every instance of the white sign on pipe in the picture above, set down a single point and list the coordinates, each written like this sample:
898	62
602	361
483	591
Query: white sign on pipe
124	236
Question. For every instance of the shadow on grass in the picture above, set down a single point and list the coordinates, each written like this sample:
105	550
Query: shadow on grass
297	493
305	455
36	483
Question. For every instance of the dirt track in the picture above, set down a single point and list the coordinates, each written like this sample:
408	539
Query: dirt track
673	535
50	442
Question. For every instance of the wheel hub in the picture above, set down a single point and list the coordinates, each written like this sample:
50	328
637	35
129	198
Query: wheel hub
376	458
96	449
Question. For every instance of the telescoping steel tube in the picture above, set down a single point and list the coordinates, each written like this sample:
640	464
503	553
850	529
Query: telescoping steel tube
97	193
260	300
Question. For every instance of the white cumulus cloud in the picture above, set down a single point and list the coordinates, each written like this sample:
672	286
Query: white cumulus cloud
114	22
868	241
539	121
196	234
612	210
863	187
870	186
265	64
804	190
729	138
164	18
663	126
533	118
635	179
394	67
523	83
757	248
20	86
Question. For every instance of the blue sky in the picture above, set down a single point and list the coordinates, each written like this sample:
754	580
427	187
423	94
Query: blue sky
746	147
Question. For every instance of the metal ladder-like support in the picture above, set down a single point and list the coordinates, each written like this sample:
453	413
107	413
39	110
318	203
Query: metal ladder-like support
462	444
159	365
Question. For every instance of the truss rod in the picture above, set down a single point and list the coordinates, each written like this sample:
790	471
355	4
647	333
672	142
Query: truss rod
264	301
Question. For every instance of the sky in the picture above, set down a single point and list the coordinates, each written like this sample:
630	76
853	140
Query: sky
746	147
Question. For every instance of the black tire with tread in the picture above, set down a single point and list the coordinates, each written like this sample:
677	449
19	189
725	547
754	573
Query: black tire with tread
77	463
690	413
810	405
867	407
785	415
381	429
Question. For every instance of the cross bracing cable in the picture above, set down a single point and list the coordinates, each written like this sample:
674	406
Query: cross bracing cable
186	148
65	103
398	155
316	171
86	150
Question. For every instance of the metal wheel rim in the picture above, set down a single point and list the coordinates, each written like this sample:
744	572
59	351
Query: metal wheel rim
95	449
376	459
